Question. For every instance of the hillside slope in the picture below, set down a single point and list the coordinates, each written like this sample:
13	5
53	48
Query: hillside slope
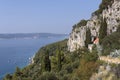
88	54
107	14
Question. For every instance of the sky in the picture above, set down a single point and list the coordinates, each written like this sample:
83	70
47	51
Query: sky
41	16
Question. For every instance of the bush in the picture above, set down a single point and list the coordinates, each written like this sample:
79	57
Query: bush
69	68
111	42
8	77
48	76
81	23
116	70
86	69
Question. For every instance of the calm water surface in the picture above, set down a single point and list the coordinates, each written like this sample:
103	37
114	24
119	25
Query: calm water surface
16	52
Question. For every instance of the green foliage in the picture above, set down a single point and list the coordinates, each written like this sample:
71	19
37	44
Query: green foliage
58	64
8	77
47	76
81	23
18	71
102	30
111	42
88	37
59	60
103	5
74	26
88	65
118	30
46	64
117	71
86	70
91	56
51	48
54	62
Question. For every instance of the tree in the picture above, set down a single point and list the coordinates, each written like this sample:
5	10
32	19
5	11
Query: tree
102	30
46	63
88	37
8	77
59	60
118	29
18	71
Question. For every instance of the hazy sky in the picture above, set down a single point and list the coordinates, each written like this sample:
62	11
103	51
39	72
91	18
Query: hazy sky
53	16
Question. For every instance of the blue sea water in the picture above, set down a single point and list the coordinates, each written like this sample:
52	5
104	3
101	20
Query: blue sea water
16	52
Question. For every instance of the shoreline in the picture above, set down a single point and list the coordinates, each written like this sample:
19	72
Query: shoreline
31	60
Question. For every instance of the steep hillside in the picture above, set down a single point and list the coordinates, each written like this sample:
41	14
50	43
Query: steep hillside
92	51
109	13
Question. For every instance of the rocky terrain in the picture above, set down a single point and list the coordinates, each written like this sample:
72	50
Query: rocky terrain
112	16
92	51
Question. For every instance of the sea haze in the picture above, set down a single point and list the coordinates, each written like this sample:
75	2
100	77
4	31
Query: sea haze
28	35
17	51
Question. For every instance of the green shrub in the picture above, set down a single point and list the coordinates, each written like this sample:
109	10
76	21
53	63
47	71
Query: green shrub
48	76
88	37
102	30
111	42
81	23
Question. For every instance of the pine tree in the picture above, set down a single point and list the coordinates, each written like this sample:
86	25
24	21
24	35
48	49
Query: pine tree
46	63
88	37
59	60
18	71
102	30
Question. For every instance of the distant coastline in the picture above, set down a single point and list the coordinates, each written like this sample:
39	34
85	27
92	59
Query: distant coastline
30	35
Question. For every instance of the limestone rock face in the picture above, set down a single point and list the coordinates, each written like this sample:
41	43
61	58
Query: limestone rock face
78	35
76	40
112	15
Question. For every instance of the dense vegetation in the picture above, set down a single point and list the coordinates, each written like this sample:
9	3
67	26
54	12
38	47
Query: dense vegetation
111	42
88	37
81	23
103	30
54	62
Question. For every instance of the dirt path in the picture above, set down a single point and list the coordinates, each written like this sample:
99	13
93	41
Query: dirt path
109	59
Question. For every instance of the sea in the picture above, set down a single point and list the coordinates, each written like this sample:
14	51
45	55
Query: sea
17	52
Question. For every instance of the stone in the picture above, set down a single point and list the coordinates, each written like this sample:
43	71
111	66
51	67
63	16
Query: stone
78	35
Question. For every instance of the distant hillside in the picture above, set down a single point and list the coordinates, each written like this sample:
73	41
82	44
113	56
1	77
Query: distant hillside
29	35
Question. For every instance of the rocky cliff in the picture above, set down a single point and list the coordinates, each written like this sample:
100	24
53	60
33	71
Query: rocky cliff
108	10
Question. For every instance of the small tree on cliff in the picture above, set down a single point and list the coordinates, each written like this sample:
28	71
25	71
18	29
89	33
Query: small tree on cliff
118	29
102	30
88	37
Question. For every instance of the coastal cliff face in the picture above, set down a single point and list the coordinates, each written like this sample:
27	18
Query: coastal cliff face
111	14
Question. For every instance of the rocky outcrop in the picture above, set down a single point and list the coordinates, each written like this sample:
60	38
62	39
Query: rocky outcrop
104	73
78	35
112	15
110	60
76	39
